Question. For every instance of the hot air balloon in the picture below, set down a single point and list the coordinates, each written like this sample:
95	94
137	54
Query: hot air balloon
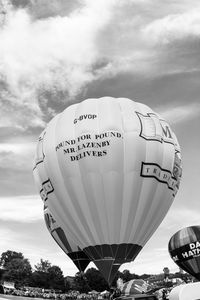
184	249
135	286
112	170
79	258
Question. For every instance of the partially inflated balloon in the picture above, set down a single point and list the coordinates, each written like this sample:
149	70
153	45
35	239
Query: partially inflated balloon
184	248
134	286
112	169
79	258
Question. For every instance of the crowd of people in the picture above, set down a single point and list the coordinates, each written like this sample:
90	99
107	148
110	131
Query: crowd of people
41	293
51	294
162	294
72	295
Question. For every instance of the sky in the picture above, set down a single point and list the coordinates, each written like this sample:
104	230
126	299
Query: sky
56	53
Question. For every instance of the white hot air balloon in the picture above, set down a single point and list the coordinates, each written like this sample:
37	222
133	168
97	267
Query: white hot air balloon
112	170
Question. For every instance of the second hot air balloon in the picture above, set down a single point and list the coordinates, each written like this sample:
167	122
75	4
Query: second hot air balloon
112	170
184	248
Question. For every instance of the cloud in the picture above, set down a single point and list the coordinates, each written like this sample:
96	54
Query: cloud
6	236
17	148
47	61
17	156
173	39
179	217
149	41
174	27
16	163
41	9
23	209
52	54
181	113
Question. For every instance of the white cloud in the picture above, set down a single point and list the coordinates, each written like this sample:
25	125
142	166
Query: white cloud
174	27
180	113
53	54
20	148
180	217
24	209
6	236
17	156
97	40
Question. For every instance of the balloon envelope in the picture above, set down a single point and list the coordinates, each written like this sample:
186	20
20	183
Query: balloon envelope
134	286
112	169
79	258
184	249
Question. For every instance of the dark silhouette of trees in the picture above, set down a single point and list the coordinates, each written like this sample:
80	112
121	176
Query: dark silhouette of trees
16	267
43	266
9	255
95	280
40	279
81	283
18	270
126	276
48	276
56	278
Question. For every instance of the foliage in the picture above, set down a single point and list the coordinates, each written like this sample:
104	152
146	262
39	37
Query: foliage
126	276
81	283
48	277
95	280
40	279
43	266
9	255
56	278
18	270
144	276
2	271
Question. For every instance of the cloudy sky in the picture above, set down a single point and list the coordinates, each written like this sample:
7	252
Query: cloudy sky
55	53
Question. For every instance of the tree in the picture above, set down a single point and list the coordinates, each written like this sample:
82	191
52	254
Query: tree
40	276
48	276
144	276
43	266
9	255
56	278
95	280
80	282
18	270
2	271
126	275
40	279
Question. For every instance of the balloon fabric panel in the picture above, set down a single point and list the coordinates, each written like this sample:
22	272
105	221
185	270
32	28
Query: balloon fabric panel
79	258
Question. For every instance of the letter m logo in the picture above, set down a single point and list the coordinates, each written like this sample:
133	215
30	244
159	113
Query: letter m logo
168	135
155	129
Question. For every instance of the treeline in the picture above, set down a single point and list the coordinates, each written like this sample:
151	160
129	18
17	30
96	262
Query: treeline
16	268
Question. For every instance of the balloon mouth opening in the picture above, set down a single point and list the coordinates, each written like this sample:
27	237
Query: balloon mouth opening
109	257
